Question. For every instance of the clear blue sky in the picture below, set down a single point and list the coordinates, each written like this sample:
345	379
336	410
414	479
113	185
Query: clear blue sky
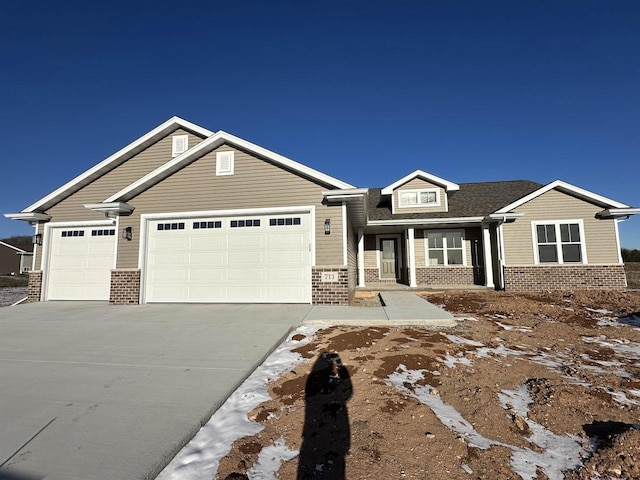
366	91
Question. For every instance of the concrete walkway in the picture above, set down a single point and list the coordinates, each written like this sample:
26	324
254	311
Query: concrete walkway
399	308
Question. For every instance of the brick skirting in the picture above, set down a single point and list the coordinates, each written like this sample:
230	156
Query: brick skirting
34	288
125	287
450	276
330	293
565	277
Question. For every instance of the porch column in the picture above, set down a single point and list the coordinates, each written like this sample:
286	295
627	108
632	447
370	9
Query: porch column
488	259
361	282
412	258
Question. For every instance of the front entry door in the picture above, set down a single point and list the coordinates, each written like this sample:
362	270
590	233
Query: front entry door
389	258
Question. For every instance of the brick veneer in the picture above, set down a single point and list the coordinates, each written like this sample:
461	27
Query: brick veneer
125	287
450	276
371	275
34	288
562	277
330	293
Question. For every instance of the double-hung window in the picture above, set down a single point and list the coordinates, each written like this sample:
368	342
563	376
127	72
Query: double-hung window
445	248
559	242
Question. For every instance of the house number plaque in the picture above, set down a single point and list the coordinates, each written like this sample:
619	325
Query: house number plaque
328	277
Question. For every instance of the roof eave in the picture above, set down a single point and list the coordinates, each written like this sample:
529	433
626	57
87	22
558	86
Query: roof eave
29	216
618	212
446	184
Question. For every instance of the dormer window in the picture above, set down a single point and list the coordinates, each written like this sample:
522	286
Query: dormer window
429	197
180	144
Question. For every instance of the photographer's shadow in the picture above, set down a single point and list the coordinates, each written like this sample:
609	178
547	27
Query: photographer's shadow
326	436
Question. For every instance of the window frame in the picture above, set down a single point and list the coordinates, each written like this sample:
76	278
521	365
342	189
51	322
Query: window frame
558	242
219	159
445	248
175	140
418	191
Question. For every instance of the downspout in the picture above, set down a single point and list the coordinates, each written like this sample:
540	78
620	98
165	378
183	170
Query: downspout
500	241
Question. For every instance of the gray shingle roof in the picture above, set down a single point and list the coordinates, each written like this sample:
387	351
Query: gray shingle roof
472	200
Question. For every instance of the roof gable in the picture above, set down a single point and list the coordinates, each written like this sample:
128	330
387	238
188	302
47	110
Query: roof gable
447	185
566	188
210	144
114	160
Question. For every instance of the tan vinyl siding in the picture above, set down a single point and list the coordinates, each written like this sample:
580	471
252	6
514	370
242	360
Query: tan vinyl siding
600	237
419	248
72	208
419	184
352	257
255	184
370	251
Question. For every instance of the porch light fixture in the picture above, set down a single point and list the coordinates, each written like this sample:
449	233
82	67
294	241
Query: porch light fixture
127	233
37	239
327	226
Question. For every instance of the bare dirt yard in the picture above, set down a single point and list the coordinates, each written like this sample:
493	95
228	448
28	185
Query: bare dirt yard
538	386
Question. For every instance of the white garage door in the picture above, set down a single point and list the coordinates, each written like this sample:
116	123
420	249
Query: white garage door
252	258
80	263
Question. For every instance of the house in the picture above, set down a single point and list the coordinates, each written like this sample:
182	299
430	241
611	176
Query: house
14	260
184	214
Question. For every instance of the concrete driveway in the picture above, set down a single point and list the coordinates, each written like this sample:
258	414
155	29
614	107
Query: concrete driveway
92	391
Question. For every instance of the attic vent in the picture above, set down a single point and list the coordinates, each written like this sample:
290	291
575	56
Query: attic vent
224	163
180	144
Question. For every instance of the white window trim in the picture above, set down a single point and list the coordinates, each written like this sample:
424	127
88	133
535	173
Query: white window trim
175	141
418	191
425	235
557	223
219	157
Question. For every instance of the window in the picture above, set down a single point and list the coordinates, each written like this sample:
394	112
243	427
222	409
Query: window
73	233
273	222
245	223
419	198
105	232
171	226
180	144
445	248
203	225
559	242
224	163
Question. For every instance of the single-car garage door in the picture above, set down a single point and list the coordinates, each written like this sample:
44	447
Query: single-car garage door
243	259
80	262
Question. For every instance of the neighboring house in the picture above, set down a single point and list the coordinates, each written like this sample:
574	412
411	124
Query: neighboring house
14	260
184	214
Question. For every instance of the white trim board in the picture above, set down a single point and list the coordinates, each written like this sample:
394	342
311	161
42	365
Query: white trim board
446	184
567	188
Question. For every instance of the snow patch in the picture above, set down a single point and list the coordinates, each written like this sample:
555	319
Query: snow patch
270	459
199	459
463	341
516	328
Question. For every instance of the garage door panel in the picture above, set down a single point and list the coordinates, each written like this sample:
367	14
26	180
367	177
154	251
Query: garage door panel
244	257
290	240
69	262
207	275
207	259
207	242
71	246
168	276
269	263
170	260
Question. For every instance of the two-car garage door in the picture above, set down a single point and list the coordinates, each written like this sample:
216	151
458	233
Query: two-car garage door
247	258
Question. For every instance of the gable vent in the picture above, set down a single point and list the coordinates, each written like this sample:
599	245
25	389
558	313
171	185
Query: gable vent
180	144
224	163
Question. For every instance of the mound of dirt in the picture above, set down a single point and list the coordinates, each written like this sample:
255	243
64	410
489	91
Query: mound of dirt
536	386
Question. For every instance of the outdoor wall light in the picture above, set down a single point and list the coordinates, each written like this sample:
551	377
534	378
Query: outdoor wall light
127	233
327	226
37	239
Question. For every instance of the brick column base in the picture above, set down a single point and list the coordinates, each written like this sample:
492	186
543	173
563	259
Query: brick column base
330	292
565	277
34	288
125	287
